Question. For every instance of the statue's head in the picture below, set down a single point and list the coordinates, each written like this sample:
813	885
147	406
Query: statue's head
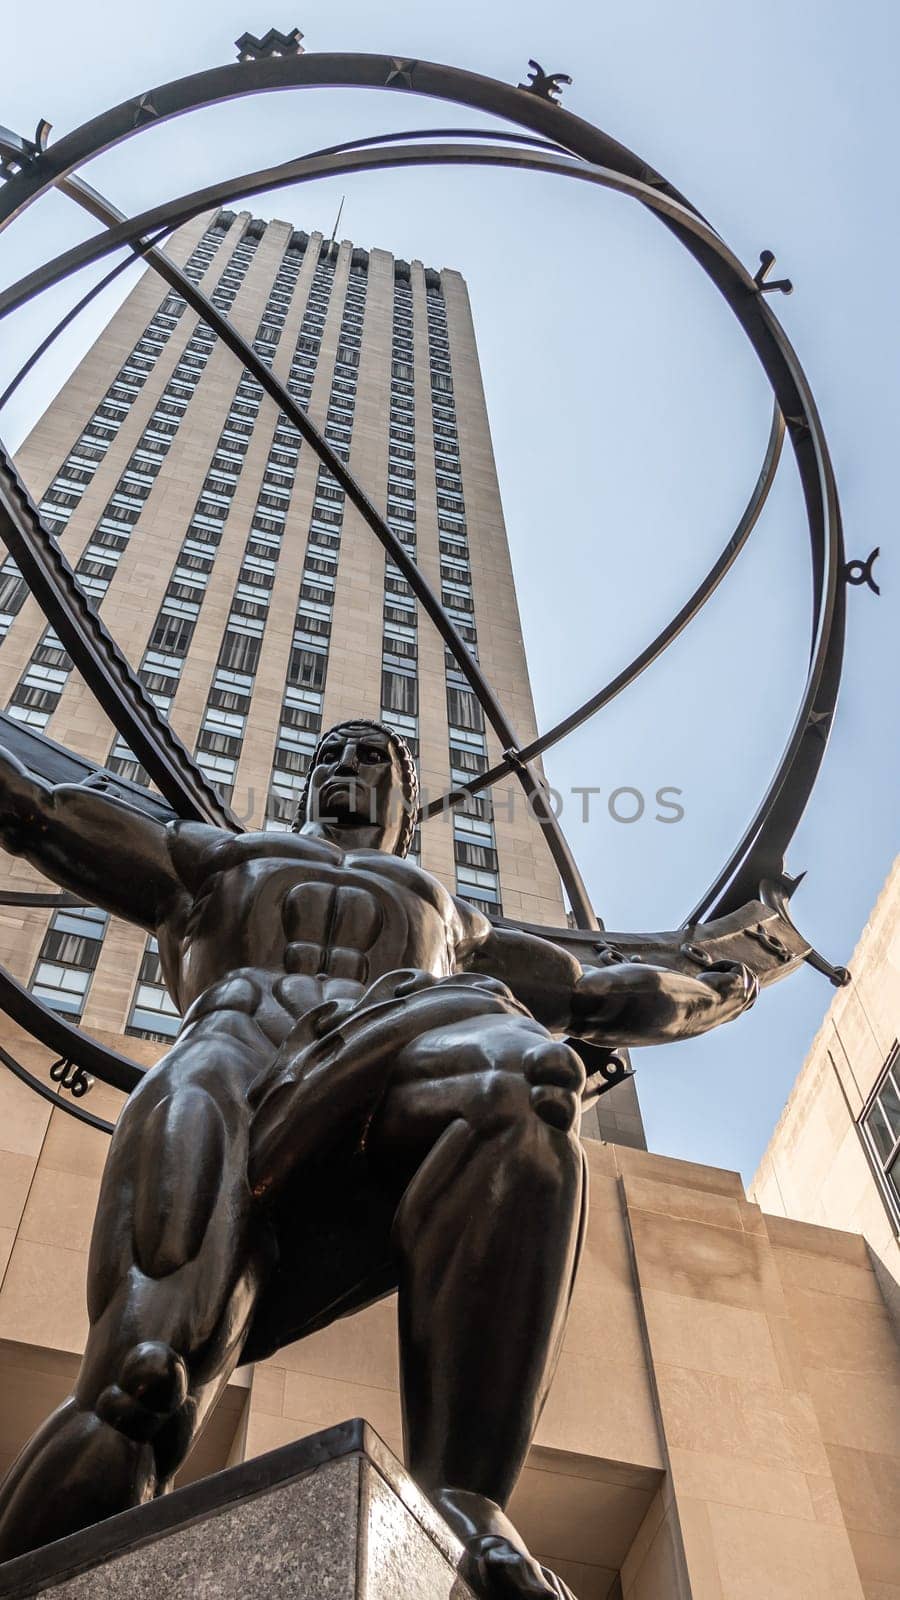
362	790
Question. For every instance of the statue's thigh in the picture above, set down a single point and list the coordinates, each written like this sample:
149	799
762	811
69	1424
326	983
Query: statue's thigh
500	1071
175	1177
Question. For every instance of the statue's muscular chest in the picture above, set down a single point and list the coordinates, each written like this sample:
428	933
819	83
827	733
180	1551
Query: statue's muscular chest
312	912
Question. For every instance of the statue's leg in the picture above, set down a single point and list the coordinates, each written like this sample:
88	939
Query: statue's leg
487	1234
173	1276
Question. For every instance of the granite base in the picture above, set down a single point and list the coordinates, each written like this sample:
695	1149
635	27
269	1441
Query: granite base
331	1517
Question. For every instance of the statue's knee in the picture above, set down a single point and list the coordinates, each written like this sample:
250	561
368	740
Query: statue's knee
556	1076
151	1388
533	1078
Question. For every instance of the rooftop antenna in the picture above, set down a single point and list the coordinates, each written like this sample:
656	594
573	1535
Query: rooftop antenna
332	252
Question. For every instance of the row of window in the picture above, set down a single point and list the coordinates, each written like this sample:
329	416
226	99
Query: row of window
474	841
80	466
72	944
177	618
153	1014
38	692
300	717
880	1127
224	724
87	454
66	964
221	735
63	972
399	640
68	956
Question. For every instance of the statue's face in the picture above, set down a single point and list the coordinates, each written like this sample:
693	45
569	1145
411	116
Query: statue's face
356	788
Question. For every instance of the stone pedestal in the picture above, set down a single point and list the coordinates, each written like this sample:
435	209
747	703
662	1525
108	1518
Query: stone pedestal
332	1517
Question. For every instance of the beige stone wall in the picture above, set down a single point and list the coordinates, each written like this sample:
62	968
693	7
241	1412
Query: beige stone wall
722	1424
845	1349
816	1166
750	1504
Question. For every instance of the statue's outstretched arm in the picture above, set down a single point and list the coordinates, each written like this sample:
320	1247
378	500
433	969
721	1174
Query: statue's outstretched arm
89	842
627	1003
634	1004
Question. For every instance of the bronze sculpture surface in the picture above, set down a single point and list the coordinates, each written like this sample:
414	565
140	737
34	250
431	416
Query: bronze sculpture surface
369	1091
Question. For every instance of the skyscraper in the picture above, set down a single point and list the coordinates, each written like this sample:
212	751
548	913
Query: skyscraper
256	605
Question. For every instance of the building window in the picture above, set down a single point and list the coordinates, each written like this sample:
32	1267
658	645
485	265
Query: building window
69	954
483	886
239	652
399	693
124	763
463	709
154	1014
880	1124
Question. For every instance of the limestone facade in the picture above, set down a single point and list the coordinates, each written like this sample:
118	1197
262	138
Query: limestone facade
821	1165
723	1420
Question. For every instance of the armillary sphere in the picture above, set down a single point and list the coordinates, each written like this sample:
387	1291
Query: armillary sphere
743	914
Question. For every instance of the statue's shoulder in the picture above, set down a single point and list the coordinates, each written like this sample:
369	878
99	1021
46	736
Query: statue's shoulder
406	875
199	850
278	846
473	927
194	847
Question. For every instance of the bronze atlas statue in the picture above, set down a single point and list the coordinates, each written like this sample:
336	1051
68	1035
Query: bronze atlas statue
368	1092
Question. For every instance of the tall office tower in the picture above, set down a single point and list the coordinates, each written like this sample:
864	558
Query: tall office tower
256	604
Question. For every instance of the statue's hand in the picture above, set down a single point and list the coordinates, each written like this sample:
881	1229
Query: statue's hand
630	1003
734	984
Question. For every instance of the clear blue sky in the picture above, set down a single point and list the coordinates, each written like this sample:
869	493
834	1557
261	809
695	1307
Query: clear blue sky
629	418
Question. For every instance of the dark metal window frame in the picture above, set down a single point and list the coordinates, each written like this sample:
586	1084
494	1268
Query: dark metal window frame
889	1191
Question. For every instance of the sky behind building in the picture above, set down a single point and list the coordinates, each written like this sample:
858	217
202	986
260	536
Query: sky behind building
629	417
